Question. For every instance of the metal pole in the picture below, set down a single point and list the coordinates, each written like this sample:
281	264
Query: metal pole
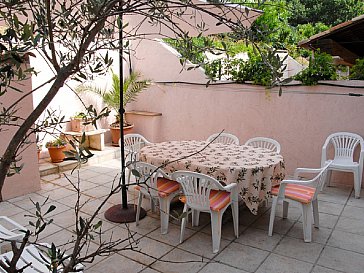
124	194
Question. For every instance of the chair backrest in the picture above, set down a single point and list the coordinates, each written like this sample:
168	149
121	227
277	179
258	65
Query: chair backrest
224	138
133	143
344	144
147	176
264	142
319	179
196	188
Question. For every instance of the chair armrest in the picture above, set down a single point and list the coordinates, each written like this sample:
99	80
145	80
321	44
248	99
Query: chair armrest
230	187
304	170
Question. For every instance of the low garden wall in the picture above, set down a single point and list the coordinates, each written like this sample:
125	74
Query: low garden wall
300	119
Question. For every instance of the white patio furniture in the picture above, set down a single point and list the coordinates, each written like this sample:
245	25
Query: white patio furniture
254	170
264	142
223	138
344	145
37	259
10	231
203	193
158	186
132	145
302	192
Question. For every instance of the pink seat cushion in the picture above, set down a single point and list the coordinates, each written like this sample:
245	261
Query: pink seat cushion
300	193
166	186
218	199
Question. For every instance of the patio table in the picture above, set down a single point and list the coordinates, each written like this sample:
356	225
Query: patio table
255	170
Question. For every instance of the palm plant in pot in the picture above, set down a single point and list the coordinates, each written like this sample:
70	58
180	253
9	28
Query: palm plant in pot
132	86
56	148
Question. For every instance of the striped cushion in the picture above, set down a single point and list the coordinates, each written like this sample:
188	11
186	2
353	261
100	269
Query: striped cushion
166	187
300	193
218	199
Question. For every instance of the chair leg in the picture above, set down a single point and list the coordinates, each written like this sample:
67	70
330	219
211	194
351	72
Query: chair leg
140	198
272	215
316	220
307	225
164	213
235	213
216	218
195	218
183	224
357	183
285	209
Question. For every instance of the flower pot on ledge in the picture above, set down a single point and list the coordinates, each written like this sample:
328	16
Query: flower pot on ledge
78	126
115	133
56	154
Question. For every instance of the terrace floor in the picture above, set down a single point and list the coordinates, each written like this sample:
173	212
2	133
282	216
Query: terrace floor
338	246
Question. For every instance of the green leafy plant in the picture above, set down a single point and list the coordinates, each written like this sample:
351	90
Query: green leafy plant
320	67
80	115
357	71
132	86
58	142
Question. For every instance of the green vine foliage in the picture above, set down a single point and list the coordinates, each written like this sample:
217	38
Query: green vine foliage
357	71
320	68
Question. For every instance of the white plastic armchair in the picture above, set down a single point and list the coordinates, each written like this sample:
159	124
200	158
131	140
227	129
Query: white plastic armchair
206	194
133	143
264	142
10	231
156	184
36	258
224	138
344	144
303	192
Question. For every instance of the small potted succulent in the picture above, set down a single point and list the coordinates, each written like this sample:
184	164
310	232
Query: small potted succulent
56	148
78	123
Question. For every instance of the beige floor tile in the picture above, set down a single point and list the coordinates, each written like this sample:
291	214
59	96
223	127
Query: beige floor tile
342	260
8	209
173	235
102	179
330	208
298	249
281	226
321	269
178	261
60	193
348	241
357	202
243	257
146	225
353	212
326	220
147	251
149	270
115	264
350	225
201	244
259	239
214	267
319	235
276	263
26	201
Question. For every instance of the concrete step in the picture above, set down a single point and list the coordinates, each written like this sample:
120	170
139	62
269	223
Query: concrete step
46	167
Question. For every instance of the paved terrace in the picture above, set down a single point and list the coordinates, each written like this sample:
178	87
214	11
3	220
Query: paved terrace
338	246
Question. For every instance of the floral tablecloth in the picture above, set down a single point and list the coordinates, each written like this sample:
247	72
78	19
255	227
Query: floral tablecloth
255	170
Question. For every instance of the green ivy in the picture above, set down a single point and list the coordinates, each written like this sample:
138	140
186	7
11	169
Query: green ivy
357	71
320	67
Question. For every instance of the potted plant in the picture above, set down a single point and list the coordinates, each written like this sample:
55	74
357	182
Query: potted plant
56	148
80	123
132	86
39	149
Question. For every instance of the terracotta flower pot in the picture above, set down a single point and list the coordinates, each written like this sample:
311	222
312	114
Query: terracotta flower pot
56	154
115	133
78	126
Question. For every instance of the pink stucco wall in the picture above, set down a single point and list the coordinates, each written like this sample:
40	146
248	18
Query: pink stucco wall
300	119
28	180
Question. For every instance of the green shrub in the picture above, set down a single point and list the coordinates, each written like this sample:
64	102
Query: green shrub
320	68
357	71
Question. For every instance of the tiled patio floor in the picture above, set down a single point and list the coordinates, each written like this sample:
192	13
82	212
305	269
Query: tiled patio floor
338	246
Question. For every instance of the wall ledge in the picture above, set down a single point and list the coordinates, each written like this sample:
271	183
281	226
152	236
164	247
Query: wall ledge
143	113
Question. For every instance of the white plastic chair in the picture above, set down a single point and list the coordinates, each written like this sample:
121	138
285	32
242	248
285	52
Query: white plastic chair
223	138
133	143
36	257
158	186
303	192
264	142
344	145
10	231
206	194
